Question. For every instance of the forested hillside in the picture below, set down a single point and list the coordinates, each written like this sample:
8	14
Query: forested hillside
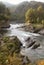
20	10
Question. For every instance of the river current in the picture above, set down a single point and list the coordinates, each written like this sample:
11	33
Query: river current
33	54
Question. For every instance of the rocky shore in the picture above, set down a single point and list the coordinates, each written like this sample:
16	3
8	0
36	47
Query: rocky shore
30	28
11	47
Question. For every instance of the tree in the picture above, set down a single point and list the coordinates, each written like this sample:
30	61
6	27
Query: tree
40	12
30	15
35	15
4	15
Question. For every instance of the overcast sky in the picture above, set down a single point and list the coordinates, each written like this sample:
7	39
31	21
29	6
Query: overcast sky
18	1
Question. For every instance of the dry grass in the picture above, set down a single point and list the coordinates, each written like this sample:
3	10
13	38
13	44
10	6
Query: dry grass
38	25
40	62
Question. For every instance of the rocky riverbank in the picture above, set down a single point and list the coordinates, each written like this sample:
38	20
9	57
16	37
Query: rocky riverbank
10	48
10	51
32	29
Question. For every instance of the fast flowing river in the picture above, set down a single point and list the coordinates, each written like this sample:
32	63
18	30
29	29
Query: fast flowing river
33	54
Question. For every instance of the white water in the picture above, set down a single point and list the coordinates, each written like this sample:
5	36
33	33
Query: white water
22	35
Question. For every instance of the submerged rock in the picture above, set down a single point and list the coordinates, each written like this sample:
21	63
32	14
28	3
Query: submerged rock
35	51
36	46
31	44
27	39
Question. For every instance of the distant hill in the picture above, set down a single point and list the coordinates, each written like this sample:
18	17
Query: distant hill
18	11
12	8
21	9
24	6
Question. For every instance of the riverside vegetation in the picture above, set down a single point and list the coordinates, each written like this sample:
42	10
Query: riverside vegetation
35	17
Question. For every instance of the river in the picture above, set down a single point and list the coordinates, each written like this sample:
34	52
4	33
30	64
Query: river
33	54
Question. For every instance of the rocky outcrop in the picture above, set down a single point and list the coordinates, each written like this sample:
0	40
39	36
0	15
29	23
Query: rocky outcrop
32	29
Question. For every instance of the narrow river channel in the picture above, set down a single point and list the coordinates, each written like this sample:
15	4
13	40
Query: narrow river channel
33	54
